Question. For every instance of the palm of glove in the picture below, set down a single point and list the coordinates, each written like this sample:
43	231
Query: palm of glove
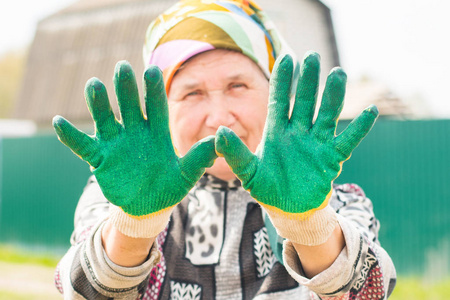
298	180
297	160
134	169
134	160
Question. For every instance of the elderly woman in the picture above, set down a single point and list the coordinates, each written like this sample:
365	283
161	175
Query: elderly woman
164	217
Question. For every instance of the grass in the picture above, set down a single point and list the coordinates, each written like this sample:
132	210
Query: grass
413	288
35	269
15	255
6	295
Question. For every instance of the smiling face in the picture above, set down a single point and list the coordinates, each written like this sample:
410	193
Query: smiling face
218	87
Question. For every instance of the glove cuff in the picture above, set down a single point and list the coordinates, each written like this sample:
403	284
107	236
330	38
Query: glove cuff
311	230
140	227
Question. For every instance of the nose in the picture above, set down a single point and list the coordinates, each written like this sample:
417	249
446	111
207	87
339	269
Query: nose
220	111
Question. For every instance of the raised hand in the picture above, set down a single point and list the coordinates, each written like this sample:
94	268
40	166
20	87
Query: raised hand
134	160
292	172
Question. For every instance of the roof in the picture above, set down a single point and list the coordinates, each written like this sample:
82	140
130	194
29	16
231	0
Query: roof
76	44
89	5
359	95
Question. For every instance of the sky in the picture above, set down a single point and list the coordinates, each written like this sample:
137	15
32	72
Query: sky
404	44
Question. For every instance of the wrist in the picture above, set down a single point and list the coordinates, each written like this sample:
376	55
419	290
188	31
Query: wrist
316	259
311	230
123	250
147	226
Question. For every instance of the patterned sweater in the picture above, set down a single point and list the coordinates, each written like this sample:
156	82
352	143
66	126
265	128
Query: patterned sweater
216	246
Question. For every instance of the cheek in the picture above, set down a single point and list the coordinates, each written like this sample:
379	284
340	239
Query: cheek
185	124
262	113
257	115
252	118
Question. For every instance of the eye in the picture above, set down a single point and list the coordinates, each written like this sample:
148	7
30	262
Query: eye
192	94
237	85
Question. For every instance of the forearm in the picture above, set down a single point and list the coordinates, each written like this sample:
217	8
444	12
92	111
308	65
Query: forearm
87	270
360	267
315	259
123	250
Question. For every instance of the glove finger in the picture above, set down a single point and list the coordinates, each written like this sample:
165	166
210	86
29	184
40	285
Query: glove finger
307	89
127	95
356	131
241	160
279	96
332	104
100	108
201	155
156	102
79	142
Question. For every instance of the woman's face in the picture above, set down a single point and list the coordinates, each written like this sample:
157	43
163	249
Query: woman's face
218	87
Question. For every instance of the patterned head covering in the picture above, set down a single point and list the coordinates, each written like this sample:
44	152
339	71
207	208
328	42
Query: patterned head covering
191	27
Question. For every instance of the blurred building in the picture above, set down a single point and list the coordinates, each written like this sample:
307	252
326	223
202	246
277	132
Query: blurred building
359	95
88	38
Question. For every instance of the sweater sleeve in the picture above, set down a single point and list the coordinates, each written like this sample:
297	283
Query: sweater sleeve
363	268
85	271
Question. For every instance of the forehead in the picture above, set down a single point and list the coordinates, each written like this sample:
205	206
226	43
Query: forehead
217	64
217	57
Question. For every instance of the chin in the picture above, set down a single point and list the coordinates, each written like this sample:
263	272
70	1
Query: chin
221	170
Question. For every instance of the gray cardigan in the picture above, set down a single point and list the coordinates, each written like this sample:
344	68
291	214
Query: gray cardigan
216	246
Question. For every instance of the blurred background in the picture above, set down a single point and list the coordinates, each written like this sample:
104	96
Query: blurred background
395	54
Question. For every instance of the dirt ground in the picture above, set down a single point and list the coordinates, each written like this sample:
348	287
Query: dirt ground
25	281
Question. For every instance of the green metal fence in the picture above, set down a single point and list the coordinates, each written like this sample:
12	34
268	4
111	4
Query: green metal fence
403	166
41	181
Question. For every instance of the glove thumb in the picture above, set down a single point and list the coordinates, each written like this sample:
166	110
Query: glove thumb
241	160
201	155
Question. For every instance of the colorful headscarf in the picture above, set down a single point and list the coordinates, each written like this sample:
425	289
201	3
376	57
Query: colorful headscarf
191	27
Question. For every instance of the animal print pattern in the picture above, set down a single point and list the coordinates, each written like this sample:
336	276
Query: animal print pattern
204	235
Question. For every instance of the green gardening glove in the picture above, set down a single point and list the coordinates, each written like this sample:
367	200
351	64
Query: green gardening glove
134	160
292	172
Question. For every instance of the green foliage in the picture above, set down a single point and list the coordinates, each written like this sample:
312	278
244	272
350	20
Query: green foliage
14	255
11	72
413	288
7	295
